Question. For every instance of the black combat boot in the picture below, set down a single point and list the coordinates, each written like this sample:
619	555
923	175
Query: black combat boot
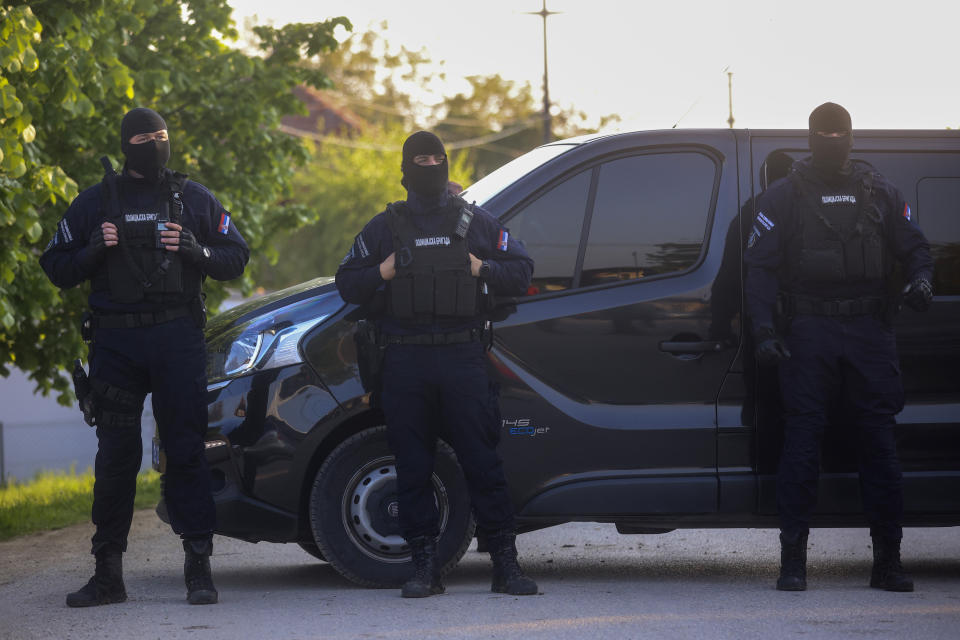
426	569
508	577
106	585
793	562
887	571
196	571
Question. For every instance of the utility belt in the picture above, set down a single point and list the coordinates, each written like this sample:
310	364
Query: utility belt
791	304
195	308
134	320
371	346
451	337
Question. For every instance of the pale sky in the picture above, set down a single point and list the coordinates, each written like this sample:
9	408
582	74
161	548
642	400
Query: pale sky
891	64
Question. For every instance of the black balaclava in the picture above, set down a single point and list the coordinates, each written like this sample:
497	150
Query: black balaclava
425	181
147	159
830	154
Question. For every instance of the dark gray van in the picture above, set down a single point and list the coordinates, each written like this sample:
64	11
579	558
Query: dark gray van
627	394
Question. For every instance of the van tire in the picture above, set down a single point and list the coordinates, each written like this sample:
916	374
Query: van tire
353	511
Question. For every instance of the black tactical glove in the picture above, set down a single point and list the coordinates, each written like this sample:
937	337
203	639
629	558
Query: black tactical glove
918	294
770	348
192	249
91	254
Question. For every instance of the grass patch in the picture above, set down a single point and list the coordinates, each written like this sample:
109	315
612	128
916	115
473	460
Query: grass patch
56	499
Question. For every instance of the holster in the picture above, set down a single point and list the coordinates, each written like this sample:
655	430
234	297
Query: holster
86	327
370	351
81	387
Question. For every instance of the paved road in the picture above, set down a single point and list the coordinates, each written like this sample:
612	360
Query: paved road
596	583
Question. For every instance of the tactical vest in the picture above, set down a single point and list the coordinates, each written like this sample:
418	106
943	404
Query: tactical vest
433	284
840	242
139	269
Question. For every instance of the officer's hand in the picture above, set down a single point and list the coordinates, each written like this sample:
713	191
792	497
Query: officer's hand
475	264
770	348
110	236
176	238
918	294
90	255
388	267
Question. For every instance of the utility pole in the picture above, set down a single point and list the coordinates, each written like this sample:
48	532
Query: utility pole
730	96
544	13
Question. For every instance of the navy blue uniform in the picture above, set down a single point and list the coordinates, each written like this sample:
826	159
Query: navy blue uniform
843	349
443	389
162	351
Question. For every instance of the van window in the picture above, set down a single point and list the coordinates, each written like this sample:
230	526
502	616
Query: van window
550	228
939	202
650	216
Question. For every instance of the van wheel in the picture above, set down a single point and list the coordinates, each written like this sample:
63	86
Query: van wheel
354	513
311	548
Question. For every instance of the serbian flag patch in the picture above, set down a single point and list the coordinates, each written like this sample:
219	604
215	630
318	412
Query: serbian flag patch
224	225
906	211
504	237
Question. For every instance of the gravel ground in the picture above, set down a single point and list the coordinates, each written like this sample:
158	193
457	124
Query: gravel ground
594	582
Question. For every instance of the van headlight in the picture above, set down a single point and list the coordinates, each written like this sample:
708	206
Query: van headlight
268	341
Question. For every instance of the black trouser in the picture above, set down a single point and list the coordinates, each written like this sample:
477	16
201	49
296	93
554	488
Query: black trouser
168	360
852	360
443	390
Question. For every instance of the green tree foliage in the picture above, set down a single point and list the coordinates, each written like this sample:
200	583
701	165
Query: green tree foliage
345	184
69	70
500	119
377	81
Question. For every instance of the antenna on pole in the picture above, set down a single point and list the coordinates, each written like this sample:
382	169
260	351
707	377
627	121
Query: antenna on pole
544	13
730	96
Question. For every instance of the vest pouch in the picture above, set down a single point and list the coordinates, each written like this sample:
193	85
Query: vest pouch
872	258
467	296
853	262
423	293
445	292
401	297
822	264
170	281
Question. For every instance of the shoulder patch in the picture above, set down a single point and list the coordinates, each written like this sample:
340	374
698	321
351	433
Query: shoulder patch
224	226
765	221
361	247
906	211
63	229
504	240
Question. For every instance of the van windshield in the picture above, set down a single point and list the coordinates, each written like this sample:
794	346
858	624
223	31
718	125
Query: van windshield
493	183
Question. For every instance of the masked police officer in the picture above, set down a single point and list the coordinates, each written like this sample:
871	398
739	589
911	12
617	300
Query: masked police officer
821	251
146	239
435	256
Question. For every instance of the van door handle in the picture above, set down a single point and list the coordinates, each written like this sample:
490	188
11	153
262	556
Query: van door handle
705	346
